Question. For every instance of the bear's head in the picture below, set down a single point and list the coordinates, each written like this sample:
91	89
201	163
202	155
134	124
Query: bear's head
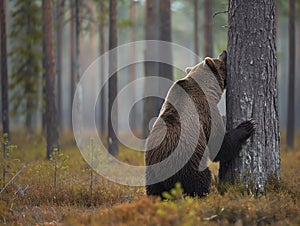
217	67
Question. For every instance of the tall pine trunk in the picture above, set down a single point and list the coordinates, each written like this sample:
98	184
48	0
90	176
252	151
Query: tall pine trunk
51	120
132	68
59	52
291	90
4	76
252	91
196	37
29	102
72	59
77	41
102	70
208	32
150	105
112	82
165	70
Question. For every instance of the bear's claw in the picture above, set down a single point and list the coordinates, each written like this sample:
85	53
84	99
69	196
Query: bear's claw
246	129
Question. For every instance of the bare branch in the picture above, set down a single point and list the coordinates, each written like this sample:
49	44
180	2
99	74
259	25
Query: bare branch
12	179
221	12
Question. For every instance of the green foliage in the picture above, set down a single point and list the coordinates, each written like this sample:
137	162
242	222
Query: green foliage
59	166
8	164
283	7
26	56
102	17
175	193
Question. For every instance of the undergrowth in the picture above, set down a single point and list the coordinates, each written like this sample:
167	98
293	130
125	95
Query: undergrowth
66	191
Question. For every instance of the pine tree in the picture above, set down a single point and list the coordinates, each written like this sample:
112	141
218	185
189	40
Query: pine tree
252	91
291	89
26	57
51	121
112	82
4	76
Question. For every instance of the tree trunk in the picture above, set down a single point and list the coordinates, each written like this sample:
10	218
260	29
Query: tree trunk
208	33
112	82
77	41
29	116
77	59
132	68
196	37
52	133
102	70
291	92
297	75
151	105
165	70
252	91
4	77
72	60
59	52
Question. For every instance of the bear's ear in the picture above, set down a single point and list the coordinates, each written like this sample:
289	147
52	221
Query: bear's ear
223	56
210	63
188	69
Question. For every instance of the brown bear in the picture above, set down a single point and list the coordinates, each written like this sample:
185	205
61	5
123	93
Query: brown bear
188	121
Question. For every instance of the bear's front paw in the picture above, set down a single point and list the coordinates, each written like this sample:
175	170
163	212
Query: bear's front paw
246	129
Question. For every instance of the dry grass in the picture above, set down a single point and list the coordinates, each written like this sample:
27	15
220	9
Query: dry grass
35	198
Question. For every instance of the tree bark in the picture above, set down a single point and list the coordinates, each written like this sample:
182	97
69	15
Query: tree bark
51	120
102	70
196	37
112	82
72	60
4	76
30	101
132	68
165	70
150	105
252	91
208	32
291	90
59	48
77	40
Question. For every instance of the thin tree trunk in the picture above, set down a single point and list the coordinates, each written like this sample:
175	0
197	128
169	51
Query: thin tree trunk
77	40
44	120
59	53
208	32
165	70
28	118
291	92
298	80
196	38
102	70
4	76
72	59
112	82
132	68
77	59
151	105
29	105
252	91
52	133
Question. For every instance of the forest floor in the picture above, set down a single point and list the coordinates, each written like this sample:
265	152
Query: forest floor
65	191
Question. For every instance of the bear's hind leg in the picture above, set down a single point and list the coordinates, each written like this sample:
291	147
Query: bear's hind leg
199	186
155	189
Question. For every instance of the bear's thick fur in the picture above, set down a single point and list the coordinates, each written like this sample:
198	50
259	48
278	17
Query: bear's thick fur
179	125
